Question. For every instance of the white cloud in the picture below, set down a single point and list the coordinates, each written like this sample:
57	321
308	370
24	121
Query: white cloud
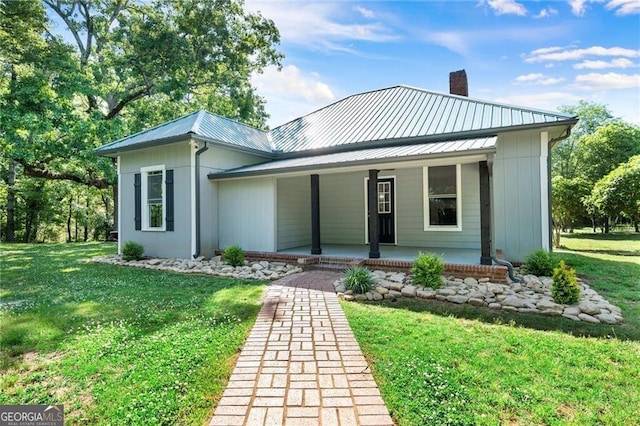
290	81
547	54
367	13
621	7
507	7
291	93
465	42
608	81
546	13
537	79
577	7
598	65
323	25
624	7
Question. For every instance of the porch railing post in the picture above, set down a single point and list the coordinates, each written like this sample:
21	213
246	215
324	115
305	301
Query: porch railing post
372	196
485	215
315	215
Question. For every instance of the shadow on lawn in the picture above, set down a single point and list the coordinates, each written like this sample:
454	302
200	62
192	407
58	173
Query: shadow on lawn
47	303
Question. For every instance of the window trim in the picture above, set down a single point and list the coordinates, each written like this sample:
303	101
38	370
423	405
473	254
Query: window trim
425	200
144	172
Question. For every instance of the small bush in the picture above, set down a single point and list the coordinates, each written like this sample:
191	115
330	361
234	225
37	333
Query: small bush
538	263
358	279
132	251
234	256
427	270
565	288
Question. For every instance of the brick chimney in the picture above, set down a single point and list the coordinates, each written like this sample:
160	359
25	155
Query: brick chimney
458	83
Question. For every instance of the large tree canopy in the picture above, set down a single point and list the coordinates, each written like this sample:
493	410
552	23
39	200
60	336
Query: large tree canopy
619	191
565	161
132	64
75	74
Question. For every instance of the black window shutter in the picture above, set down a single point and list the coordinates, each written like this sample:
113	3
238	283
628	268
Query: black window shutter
137	190
169	200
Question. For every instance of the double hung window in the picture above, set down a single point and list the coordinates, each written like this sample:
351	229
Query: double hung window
442	202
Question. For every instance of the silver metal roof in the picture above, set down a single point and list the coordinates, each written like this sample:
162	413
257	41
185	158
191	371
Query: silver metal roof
200	124
349	158
386	117
402	112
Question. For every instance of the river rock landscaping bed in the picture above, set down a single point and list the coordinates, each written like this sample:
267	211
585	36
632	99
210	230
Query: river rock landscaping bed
262	270
532	295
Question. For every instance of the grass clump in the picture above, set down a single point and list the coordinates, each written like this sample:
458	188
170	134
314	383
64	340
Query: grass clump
132	251
234	256
430	392
427	270
565	287
538	263
358	279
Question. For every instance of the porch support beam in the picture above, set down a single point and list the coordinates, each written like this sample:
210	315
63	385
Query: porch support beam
485	215
315	215
372	197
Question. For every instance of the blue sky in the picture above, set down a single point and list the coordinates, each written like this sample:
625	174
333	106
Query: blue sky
540	54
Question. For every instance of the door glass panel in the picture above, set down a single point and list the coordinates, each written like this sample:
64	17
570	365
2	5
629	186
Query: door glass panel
384	197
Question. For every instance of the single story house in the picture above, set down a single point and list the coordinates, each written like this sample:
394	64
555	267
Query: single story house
395	167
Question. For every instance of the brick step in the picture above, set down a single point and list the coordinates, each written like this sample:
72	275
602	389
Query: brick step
331	266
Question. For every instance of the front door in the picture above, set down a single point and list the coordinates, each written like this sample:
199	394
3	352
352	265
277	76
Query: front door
386	211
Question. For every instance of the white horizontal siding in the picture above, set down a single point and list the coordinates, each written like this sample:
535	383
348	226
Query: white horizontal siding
294	212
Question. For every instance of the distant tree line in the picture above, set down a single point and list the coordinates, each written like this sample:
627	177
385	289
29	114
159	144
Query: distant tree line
596	173
124	65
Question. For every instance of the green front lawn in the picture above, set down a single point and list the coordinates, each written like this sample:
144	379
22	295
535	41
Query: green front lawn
439	363
117	345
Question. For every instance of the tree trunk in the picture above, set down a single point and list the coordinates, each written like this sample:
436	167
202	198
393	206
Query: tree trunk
86	221
69	220
28	223
11	202
606	225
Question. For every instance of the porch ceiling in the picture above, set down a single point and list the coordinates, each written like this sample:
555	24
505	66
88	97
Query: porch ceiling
365	156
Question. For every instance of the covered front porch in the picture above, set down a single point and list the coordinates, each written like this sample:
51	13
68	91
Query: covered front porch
391	252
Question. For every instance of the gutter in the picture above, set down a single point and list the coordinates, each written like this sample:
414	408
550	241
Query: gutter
197	206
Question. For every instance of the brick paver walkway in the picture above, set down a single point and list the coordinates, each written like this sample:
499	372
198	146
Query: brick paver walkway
301	364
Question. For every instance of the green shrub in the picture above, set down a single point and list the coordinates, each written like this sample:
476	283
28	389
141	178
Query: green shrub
565	288
234	256
132	251
538	263
358	279
427	270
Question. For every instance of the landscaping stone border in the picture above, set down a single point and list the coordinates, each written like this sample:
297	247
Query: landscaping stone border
262	270
532	296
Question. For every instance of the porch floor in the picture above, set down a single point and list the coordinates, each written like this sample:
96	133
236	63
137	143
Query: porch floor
458	256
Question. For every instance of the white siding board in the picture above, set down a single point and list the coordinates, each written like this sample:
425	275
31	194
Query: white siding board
410	216
342	208
516	191
294	212
247	214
